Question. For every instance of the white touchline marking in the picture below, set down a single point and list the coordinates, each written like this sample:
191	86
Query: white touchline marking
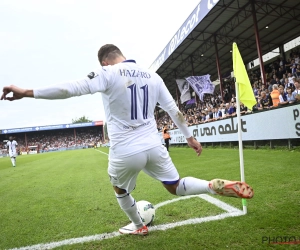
220	204
101	152
231	212
210	199
195	221
72	241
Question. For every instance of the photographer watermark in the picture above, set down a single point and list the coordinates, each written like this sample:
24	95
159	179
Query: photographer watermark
281	240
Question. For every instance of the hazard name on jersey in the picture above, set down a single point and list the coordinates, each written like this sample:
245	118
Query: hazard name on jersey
134	73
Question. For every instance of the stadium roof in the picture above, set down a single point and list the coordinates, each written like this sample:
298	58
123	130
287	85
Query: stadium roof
220	24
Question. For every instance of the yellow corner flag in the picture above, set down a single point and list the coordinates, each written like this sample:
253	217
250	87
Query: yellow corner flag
246	94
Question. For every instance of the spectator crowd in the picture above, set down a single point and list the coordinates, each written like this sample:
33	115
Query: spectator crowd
45	141
282	87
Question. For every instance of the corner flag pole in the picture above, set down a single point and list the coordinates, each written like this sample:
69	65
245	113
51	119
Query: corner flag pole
245	94
244	201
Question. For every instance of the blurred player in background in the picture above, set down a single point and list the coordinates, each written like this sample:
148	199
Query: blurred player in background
130	94
12	150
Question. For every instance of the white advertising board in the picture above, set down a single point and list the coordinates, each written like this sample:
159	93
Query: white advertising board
282	123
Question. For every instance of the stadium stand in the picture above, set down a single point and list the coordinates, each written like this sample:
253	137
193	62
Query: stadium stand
278	72
55	140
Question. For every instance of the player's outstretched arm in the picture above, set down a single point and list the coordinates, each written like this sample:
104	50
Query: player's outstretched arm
18	93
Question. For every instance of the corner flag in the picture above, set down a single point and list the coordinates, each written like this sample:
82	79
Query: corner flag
246	94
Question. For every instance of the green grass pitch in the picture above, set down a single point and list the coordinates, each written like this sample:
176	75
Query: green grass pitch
62	195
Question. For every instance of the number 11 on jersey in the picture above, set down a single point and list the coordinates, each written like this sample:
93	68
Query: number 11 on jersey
134	101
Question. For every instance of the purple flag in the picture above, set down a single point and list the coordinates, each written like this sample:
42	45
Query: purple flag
184	89
201	85
192	101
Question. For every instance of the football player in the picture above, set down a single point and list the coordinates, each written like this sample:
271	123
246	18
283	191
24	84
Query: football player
12	150
130	94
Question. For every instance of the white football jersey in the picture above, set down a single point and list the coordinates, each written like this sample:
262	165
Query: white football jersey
11	145
291	80
130	94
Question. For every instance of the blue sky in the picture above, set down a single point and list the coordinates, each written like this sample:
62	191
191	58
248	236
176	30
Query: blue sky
48	42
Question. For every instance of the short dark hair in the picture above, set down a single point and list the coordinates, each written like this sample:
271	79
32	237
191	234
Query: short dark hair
108	51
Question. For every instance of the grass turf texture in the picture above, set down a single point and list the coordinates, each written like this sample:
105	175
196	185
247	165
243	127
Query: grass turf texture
56	196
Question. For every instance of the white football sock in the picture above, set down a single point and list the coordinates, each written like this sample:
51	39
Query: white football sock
13	161
128	205
191	185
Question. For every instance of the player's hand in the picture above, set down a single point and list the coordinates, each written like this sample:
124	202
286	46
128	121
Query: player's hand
193	143
18	93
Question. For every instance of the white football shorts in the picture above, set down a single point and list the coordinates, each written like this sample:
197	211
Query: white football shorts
13	154
155	162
